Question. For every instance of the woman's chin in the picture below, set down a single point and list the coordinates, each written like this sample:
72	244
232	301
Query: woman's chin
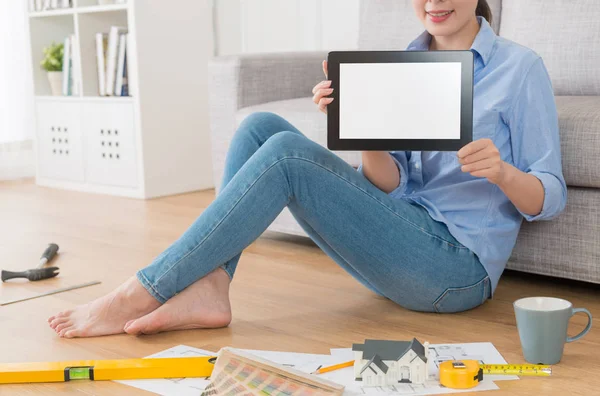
440	30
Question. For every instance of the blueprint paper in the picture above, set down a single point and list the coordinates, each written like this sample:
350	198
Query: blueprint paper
484	352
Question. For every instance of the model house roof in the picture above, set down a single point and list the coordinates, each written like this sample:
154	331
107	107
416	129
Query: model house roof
390	350
376	360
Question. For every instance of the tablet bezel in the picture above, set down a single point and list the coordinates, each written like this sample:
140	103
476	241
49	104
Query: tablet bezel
336	58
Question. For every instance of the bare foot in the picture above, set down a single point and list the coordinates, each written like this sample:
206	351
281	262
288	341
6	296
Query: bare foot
204	304
105	315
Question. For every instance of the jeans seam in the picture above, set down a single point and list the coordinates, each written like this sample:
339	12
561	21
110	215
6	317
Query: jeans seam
222	220
145	282
449	289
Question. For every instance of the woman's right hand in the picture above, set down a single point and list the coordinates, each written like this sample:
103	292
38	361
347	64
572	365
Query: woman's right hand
321	91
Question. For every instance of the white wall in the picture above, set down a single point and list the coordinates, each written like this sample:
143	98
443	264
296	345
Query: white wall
16	93
253	26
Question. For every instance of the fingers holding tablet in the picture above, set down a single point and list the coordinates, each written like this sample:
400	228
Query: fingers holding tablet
320	93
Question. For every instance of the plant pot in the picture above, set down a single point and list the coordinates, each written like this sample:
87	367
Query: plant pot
56	81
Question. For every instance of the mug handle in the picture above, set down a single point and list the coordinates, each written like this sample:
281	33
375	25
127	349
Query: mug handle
587	328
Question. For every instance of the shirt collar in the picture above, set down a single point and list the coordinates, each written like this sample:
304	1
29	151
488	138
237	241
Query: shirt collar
482	45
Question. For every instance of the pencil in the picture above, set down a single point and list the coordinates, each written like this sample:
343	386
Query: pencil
334	367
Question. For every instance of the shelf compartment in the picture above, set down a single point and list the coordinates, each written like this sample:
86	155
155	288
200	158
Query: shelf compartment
43	32
89	25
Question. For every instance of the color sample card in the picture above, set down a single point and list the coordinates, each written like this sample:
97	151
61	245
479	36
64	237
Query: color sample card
239	373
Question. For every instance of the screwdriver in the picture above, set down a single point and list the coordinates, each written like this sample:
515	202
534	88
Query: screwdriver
48	254
38	273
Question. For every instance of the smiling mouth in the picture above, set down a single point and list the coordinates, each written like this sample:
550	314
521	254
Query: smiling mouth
440	14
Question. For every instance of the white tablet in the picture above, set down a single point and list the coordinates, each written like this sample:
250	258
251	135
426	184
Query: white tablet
400	100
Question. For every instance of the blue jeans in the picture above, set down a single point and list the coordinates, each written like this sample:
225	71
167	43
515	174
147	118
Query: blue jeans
389	245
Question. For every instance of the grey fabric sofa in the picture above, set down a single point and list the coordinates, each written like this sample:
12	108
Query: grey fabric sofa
565	33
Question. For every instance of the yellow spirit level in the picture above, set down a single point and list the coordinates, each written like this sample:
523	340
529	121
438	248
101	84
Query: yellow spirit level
106	370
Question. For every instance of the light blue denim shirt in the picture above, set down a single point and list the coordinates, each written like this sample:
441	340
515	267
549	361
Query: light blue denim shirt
514	106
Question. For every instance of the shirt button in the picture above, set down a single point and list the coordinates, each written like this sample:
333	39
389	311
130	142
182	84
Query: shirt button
417	166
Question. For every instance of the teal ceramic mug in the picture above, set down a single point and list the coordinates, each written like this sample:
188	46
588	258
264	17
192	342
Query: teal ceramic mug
542	323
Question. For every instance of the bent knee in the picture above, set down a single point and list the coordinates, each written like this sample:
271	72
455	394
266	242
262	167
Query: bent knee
261	118
263	125
288	142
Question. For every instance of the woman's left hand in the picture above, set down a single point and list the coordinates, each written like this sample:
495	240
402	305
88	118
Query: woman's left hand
481	158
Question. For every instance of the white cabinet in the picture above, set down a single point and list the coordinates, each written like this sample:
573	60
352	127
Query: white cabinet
152	143
110	145
59	137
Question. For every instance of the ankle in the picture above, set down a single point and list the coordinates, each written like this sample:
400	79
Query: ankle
222	276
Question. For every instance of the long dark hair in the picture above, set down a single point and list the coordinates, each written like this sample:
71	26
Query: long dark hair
483	10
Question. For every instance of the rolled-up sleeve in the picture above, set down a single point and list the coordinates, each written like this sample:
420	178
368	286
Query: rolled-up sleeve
401	159
533	123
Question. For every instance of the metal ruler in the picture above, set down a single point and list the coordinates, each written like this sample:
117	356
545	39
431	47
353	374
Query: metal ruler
64	289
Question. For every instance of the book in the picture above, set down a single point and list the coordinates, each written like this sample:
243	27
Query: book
101	43
39	5
240	373
66	66
111	58
53	4
65	3
75	67
46	5
120	65
125	88
128	62
32	6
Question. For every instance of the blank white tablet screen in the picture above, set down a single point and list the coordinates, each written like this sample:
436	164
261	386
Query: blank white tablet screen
400	100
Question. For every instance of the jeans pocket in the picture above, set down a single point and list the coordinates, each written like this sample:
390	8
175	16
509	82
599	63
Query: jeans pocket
458	299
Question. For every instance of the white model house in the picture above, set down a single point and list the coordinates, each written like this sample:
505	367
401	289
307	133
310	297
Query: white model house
381	363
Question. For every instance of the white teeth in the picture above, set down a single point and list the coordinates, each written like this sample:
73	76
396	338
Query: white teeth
440	15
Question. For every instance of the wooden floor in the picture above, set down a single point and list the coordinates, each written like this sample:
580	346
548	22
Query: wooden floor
287	294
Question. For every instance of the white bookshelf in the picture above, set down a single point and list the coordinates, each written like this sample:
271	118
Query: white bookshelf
152	143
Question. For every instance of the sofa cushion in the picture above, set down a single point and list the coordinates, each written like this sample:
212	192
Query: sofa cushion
565	33
306	117
579	120
392	25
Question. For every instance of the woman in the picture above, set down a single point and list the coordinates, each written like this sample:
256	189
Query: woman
432	231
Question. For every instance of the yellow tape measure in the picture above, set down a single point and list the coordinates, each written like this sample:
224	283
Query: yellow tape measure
517	369
465	374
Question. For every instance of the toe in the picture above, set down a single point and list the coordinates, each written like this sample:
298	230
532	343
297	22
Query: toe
51	318
57	322
128	324
62	326
140	326
70	333
134	327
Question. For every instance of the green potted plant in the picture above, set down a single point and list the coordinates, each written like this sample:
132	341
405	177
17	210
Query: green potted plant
53	64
